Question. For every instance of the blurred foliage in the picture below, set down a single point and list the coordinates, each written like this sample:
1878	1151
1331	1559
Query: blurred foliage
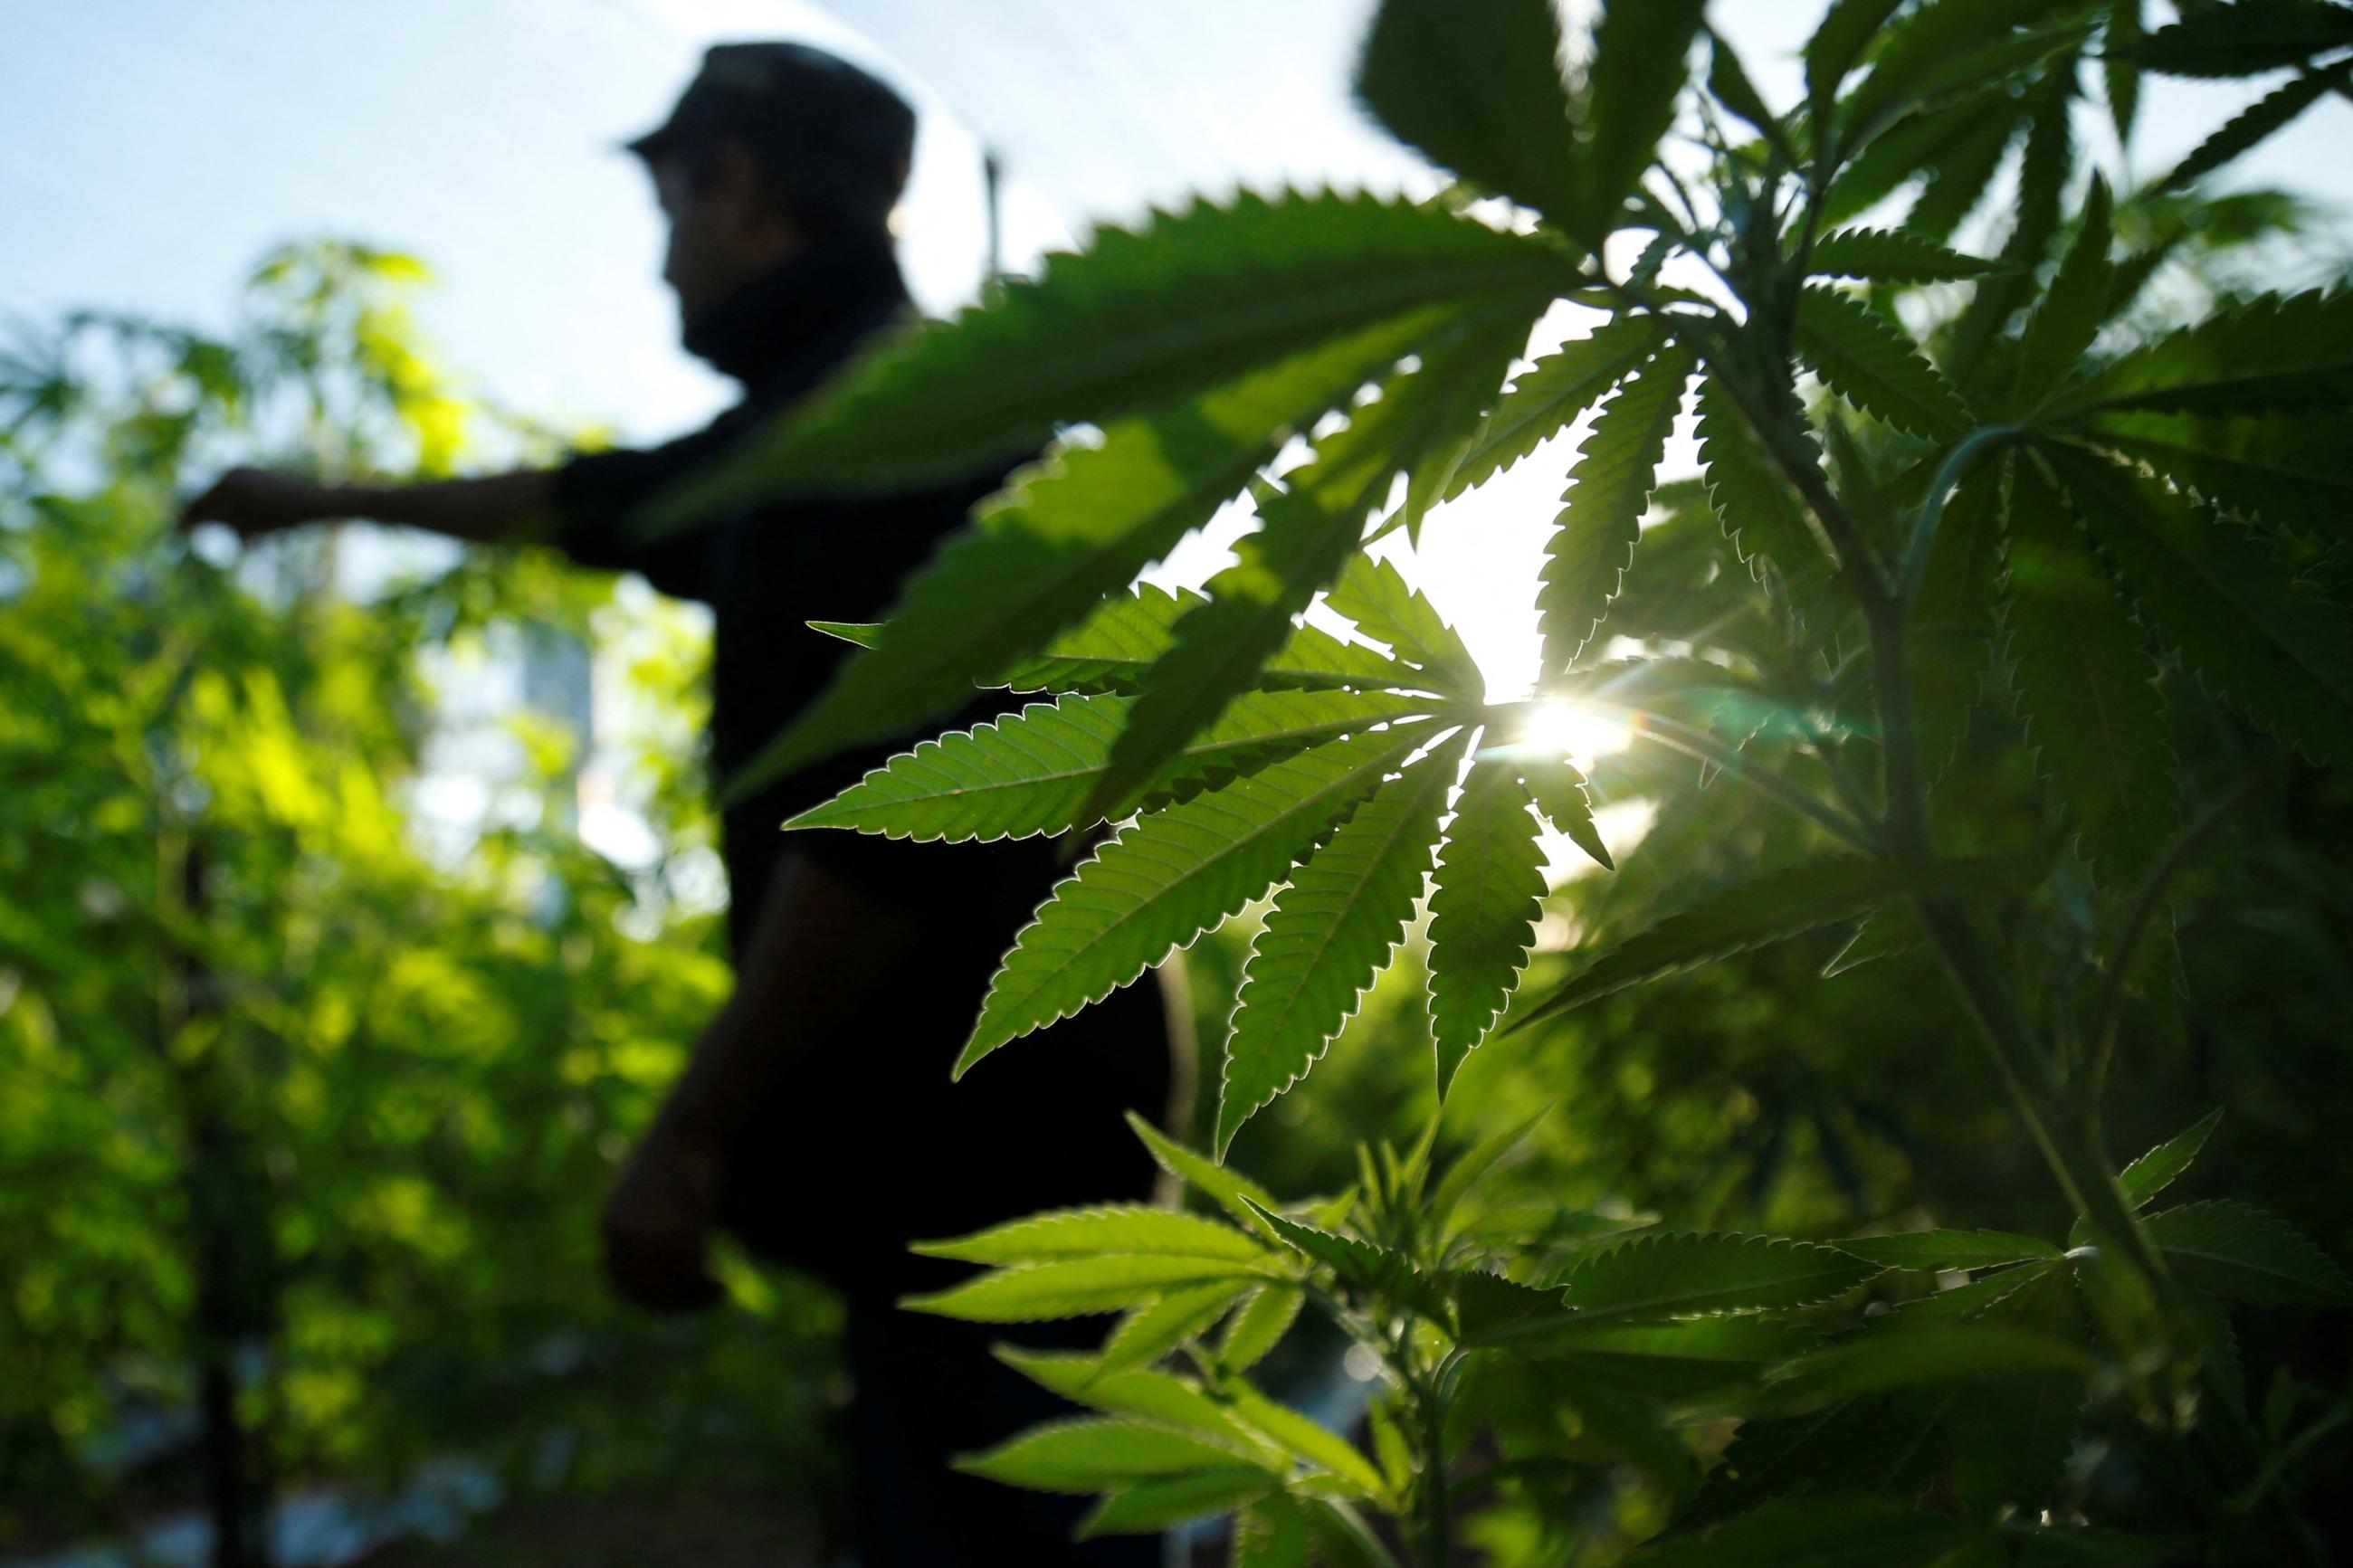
300	1081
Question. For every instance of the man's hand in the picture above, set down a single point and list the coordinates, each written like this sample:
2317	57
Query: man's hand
255	502
657	1222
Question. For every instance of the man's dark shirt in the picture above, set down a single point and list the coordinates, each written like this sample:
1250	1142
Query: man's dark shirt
867	1144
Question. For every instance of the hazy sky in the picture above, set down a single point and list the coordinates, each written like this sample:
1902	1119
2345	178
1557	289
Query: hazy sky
150	149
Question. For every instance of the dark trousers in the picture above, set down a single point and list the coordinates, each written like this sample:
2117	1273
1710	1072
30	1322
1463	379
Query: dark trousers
927	1390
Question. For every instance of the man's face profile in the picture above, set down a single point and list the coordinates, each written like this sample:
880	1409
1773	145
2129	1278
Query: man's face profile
725	227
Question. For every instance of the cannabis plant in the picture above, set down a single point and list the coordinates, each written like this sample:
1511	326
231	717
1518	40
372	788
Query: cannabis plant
1981	547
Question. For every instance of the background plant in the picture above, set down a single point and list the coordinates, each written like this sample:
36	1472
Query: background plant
2007	582
304	1108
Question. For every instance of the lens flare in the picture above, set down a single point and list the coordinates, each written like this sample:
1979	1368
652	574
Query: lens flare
1576	730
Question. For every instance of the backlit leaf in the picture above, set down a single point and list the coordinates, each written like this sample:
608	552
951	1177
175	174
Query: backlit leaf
1870	361
1484	911
1150	1506
2254	125
2087	687
1137	319
2239	1251
1170	876
1479	90
1384	606
2254	635
1939	1250
2068	318
1066	532
1892	255
1092	1232
1089	1455
1071	1288
1640	59
1771	909
1330	931
1610	489
1548	398
1691	1274
1031	773
1155	1329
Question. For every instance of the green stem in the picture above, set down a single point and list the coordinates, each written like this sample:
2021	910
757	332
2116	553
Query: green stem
1914	569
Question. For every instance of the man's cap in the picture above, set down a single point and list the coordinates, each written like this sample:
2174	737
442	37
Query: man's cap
835	142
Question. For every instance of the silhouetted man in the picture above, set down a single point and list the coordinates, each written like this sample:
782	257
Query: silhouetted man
816	1119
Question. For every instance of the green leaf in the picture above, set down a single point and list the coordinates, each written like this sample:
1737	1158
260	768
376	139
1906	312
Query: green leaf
1690	1274
2011	1435
1031	773
1253	1331
1151	1506
1328	934
1070	1288
1939	1250
1555	390
1821	1532
2277	353
1275	1534
1152	1331
2246	38
2157	1170
1837	46
2292	472
2252	635
2236	1250
1892	255
1389	1275
1092	1232
1479	91
2254	125
1134	321
1681	1355
1126	634
1757	508
1453	395
864	634
1385	608
1870	361
1953	618
1483	912
1309	1440
1640	59
1463	1177
1931	50
2087	687
1610	489
2119	48
2046	169
1773	907
1960	159
1080	525
1230	1190
1911	1357
2069	316
1162	1399
1172	876
1558	789
1306	532
1729	82
1089	1455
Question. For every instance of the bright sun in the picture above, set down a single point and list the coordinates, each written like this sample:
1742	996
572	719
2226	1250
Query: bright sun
1581	732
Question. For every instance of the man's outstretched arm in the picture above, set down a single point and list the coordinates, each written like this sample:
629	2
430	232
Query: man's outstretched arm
820	950
490	510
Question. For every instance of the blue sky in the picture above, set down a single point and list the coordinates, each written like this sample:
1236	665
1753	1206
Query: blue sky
150	149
